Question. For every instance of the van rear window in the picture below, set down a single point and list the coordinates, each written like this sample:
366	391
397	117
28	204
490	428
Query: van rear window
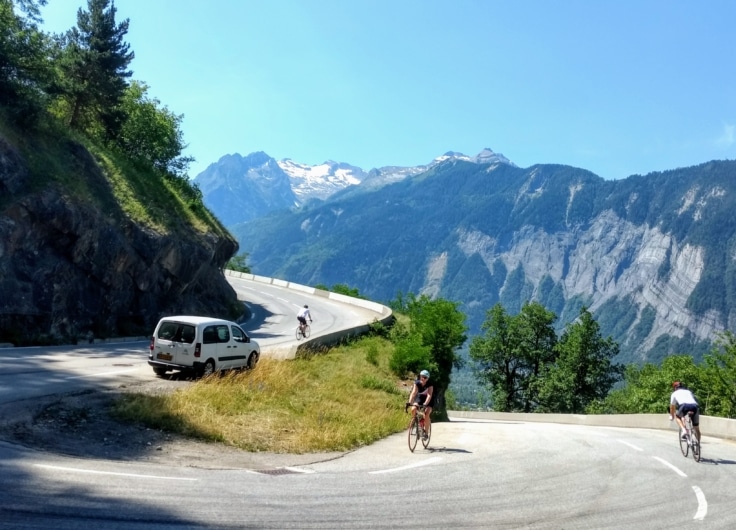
176	332
168	330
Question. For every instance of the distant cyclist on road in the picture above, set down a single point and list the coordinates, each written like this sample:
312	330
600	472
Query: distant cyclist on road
422	394
303	315
683	401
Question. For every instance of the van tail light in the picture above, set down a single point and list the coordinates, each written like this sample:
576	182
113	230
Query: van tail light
198	349
150	346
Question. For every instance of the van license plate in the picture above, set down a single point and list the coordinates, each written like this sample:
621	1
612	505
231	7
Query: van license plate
163	356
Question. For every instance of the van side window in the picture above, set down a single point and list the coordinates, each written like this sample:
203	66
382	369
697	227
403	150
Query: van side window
209	335
187	334
238	334
223	334
168	330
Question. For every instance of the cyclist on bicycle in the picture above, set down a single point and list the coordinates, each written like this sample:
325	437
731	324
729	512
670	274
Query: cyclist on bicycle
303	315
683	401
422	394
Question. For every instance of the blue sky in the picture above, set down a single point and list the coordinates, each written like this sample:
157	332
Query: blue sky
618	87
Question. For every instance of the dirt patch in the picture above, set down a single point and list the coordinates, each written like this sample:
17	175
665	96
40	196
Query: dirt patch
80	424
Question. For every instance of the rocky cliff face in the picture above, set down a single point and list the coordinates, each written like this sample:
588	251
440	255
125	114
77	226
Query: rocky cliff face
70	270
611	259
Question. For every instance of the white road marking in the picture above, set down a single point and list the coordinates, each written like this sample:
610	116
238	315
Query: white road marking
93	472
103	374
298	470
631	445
675	469
702	504
410	466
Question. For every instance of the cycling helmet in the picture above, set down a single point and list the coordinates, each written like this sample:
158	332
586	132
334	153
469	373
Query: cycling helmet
424	373
676	385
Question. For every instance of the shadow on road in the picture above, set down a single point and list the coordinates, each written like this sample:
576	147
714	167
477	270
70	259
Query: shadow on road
717	461
447	450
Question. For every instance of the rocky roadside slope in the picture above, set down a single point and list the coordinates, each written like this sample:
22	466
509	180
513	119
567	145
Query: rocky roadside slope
72	269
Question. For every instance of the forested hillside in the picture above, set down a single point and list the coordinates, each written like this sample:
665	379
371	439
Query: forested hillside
102	230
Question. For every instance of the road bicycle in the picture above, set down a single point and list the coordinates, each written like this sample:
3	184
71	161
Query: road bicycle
417	429
689	441
303	331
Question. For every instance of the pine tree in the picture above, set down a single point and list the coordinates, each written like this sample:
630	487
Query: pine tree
95	66
584	371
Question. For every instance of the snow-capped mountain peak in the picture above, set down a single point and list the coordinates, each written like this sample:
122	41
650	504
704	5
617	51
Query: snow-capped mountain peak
264	184
322	180
486	156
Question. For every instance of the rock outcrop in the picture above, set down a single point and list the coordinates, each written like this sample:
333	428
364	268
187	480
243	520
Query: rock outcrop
71	270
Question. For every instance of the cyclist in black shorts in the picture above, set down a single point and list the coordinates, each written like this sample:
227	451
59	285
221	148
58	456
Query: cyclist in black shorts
683	401
422	394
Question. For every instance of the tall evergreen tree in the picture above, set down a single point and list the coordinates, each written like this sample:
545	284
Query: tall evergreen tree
95	66
584	371
537	341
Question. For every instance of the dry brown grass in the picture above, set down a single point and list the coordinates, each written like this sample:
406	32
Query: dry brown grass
335	401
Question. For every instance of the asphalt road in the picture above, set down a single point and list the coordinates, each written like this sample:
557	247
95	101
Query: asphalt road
273	321
475	474
41	371
34	372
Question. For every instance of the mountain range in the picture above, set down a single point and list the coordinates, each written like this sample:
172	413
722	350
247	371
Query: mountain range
241	188
651	256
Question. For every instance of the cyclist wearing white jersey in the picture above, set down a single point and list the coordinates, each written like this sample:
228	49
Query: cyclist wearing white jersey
303	315
683	401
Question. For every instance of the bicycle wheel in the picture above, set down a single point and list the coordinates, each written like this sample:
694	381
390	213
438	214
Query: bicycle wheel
425	443
684	446
298	333
307	331
413	434
696	449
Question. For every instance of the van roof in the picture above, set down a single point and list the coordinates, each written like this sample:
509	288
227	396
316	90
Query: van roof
189	319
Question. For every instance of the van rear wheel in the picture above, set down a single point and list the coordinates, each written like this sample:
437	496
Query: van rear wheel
159	370
209	368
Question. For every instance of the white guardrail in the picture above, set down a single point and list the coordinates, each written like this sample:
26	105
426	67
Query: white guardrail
709	425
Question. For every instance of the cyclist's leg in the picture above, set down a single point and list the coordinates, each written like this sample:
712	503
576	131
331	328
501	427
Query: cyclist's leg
678	416
696	423
427	421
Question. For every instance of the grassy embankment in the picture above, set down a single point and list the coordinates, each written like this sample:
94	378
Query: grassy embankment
336	401
54	154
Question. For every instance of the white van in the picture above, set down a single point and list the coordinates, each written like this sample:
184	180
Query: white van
202	344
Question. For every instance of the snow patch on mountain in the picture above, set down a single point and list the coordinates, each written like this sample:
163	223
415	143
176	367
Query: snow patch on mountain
486	156
320	181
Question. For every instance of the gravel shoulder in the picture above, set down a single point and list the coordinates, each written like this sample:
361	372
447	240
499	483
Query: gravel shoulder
79	424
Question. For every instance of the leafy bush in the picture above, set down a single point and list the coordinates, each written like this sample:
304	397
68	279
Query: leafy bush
411	356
